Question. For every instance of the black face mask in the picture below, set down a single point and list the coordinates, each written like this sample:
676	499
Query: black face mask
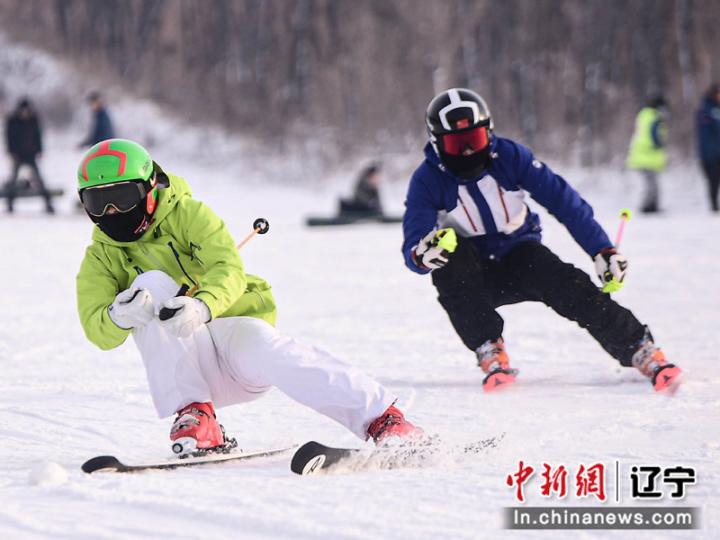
467	167
126	226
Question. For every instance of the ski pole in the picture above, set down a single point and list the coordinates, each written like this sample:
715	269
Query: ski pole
260	226
614	285
625	216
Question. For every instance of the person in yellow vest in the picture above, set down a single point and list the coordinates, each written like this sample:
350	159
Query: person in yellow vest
647	149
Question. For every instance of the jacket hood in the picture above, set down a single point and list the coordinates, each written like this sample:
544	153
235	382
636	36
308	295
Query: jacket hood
168	197
434	160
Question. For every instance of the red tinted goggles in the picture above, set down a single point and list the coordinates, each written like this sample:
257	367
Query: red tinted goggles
456	143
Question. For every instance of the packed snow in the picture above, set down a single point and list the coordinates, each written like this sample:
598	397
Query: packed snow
62	401
346	289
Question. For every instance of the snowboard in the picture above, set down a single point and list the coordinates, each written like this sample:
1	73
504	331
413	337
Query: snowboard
113	464
314	457
351	219
26	188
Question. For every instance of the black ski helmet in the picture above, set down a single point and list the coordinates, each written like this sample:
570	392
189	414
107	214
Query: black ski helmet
459	125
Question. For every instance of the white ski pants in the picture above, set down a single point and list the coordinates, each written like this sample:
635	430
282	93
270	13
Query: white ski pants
237	359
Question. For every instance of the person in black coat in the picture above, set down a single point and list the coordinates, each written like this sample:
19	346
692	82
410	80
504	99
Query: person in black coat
708	128
23	138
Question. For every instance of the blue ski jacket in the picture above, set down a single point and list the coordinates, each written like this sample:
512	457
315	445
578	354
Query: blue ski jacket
708	129
491	209
102	128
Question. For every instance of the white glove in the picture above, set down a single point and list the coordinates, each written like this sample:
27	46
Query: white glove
434	249
182	315
132	308
611	267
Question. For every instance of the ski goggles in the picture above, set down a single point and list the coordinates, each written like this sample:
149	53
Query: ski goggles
123	197
475	138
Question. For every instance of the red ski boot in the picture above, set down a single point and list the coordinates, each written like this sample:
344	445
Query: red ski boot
392	423
494	361
196	428
651	362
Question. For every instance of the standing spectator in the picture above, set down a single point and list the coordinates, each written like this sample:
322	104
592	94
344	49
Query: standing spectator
708	126
647	149
23	139
102	126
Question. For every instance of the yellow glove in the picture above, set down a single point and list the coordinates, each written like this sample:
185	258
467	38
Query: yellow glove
433	250
611	268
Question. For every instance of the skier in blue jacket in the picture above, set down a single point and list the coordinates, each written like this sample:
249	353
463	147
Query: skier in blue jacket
467	223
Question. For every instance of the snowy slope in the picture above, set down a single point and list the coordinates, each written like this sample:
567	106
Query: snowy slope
63	401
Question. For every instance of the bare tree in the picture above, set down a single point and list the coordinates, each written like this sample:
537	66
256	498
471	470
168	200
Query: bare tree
565	76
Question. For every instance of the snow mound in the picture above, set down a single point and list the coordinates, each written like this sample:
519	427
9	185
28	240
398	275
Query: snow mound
47	473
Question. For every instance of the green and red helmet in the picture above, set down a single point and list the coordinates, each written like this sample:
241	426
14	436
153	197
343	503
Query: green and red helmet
112	161
117	185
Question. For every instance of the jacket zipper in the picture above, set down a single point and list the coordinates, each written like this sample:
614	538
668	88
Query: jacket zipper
502	200
177	258
472	223
194	248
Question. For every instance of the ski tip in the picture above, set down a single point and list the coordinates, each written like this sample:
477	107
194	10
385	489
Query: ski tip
102	463
309	458
499	381
668	380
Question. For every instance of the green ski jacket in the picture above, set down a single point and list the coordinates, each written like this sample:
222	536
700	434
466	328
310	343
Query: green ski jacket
187	241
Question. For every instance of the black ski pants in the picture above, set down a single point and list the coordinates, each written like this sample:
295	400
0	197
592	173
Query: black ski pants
37	179
470	288
712	173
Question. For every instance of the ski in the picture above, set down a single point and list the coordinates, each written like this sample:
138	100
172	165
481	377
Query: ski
113	464
314	457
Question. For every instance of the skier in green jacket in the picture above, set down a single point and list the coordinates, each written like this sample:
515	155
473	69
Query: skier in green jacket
219	346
